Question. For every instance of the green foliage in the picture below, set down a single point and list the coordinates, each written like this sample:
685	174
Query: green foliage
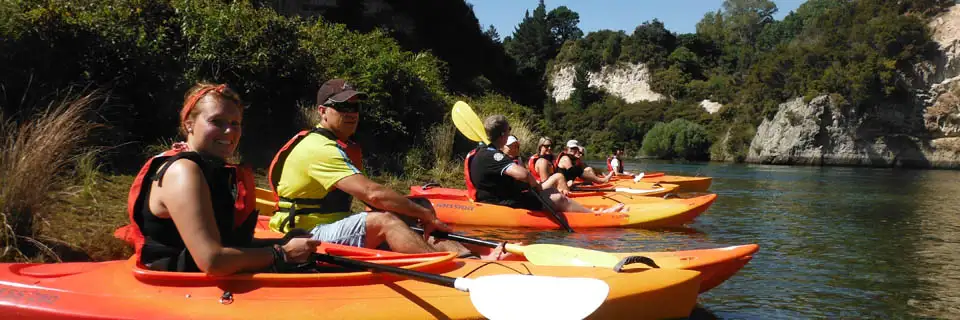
492	33
678	139
150	52
491	104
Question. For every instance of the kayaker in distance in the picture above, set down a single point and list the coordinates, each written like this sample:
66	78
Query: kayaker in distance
192	211
569	164
614	162
318	172
492	177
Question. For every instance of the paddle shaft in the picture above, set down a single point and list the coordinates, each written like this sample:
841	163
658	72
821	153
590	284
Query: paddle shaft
458	238
548	205
363	265
593	190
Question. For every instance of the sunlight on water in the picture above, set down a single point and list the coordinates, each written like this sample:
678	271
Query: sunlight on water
834	242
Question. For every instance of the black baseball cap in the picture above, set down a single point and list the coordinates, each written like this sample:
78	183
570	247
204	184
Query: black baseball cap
337	90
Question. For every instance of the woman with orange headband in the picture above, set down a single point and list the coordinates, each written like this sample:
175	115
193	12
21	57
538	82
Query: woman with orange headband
195	212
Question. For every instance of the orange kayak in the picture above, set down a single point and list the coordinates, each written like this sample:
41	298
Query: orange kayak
638	189
123	289
686	184
643	212
453	207
715	265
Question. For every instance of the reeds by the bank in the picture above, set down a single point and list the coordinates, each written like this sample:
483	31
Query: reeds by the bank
40	157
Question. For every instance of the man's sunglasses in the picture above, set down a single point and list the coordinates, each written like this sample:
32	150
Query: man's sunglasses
345	107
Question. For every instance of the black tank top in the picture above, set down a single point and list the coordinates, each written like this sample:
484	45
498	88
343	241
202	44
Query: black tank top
163	248
571	173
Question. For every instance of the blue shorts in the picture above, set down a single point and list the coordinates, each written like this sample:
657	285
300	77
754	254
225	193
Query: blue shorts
349	231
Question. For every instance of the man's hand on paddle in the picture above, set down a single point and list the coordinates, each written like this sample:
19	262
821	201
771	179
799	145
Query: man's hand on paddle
431	223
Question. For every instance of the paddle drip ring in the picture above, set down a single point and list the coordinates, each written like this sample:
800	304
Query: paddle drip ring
227	298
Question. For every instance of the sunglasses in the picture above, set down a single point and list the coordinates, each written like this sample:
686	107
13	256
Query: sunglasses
345	107
547	145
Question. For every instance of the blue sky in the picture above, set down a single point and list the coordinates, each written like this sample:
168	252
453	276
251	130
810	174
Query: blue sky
679	16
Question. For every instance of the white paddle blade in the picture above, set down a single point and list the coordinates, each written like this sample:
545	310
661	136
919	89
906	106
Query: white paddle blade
638	191
638	177
514	296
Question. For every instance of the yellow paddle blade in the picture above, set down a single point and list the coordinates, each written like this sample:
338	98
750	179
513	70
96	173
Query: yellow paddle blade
557	255
468	123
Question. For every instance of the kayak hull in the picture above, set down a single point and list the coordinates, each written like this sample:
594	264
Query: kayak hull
715	265
453	207
643	212
120	289
638	189
685	184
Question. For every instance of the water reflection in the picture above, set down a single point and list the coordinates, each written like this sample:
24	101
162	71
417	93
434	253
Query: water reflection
834	242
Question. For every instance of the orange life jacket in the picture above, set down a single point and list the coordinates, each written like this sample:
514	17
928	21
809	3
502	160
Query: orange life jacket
532	166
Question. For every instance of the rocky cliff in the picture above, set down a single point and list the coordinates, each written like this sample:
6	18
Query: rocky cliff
925	133
628	81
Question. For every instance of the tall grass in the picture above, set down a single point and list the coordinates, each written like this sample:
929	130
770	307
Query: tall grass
38	158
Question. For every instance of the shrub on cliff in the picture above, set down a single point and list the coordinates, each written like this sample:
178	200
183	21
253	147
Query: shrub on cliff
678	139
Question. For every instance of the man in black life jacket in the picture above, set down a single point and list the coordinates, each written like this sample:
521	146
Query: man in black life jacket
493	177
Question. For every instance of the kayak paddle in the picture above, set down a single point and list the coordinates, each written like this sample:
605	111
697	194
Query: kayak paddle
508	296
542	254
469	124
624	190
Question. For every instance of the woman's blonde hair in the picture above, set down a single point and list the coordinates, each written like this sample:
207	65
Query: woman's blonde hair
189	111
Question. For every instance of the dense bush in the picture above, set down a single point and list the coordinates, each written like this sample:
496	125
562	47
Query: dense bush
149	52
678	139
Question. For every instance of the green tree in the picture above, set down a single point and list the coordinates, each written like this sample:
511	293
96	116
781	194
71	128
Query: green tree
563	25
579	98
492	33
678	139
532	40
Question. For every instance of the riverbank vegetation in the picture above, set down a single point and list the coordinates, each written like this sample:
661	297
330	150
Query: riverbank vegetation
90	89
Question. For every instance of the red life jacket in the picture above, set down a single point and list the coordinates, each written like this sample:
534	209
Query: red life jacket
471	190
244	203
609	163
335	201
532	166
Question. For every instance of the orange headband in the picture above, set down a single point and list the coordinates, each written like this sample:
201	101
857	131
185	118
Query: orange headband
191	102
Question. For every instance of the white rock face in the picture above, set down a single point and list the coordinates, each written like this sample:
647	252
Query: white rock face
922	134
822	133
631	82
710	106
946	32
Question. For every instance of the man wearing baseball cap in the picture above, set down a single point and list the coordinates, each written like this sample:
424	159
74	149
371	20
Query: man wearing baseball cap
512	149
569	164
316	175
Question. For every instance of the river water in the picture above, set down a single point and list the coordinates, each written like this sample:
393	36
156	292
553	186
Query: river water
835	242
